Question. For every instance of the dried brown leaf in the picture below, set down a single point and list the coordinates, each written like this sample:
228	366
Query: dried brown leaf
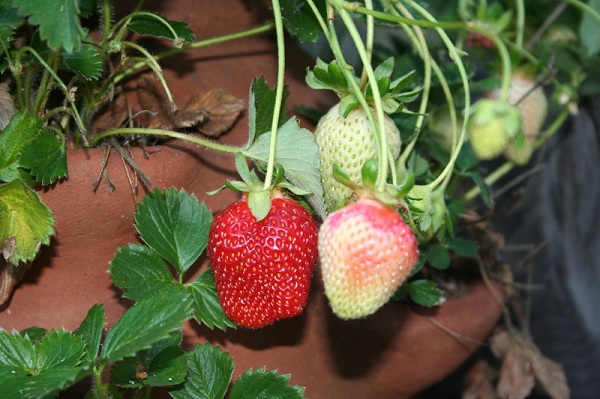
516	374
111	116
223	110
479	381
155	104
499	342
548	373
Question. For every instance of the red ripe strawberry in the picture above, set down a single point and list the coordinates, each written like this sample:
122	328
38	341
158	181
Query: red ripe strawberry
366	252
263	268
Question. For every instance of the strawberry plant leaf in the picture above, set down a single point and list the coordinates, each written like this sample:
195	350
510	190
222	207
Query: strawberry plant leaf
300	20
43	385
24	218
140	272
209	373
175	225
90	330
261	107
265	384
85	62
59	349
166	368
58	21
463	247
425	293
45	157
9	19
35	334
438	256
150	24
144	323
17	355
17	135
588	29
297	152
206	307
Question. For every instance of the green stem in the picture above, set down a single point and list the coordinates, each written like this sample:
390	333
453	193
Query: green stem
380	132
198	44
153	64
106	17
454	55
45	85
166	133
409	21
278	91
584	7
520	7
369	39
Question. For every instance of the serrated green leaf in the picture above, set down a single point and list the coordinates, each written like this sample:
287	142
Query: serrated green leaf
17	135
261	108
84	61
175	225
265	384
168	368
16	352
300	20
438	256
425	293
9	19
45	157
209	374
44	385
297	152
90	330
145	323
24	218
140	272
59	349
206	307
58	21
151	24
463	246
125	372
87	7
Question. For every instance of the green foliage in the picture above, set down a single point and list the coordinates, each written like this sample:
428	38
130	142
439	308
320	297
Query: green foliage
261	108
300	20
58	21
144	345
25	222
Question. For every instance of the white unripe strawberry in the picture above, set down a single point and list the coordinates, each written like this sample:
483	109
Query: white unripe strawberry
348	142
366	252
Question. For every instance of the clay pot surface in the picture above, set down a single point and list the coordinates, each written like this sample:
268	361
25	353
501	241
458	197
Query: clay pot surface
393	354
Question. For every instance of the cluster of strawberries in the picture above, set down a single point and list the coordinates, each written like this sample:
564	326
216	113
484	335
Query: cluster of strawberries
263	268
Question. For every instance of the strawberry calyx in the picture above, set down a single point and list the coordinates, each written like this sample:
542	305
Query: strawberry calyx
330	76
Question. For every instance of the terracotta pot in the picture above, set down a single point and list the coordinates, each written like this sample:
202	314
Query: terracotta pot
393	354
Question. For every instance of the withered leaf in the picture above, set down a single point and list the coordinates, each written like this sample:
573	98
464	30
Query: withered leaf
499	342
479	381
111	115
158	113
548	373
223	110
516	374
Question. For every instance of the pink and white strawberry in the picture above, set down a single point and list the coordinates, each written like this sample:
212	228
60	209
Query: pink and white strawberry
366	252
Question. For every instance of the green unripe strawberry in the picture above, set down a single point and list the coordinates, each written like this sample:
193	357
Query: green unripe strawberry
532	103
366	252
493	124
348	142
